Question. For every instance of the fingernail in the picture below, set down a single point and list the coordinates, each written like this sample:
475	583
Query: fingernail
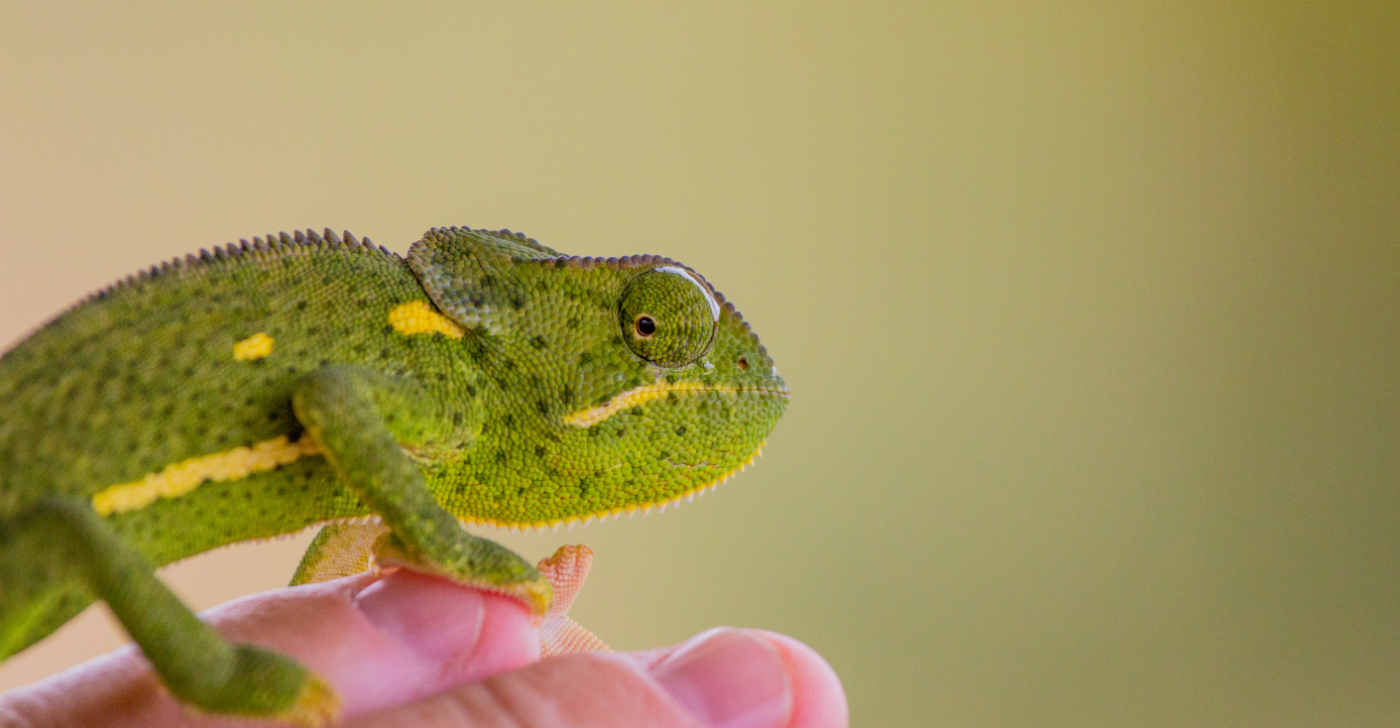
729	678
431	617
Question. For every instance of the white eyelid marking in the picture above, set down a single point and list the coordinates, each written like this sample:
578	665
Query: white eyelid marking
709	297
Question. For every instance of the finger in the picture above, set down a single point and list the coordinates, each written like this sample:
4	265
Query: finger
378	642
725	677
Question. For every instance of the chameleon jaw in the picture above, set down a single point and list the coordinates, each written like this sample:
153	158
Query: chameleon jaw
616	513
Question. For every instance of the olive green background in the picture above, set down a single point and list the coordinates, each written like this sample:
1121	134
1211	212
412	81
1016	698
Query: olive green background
1091	311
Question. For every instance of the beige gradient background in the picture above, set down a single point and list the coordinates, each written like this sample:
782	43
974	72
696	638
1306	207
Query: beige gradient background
1091	311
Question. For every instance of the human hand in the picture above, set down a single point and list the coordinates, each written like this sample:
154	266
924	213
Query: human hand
411	650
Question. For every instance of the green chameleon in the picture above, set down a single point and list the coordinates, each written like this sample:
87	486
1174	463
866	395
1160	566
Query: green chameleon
317	379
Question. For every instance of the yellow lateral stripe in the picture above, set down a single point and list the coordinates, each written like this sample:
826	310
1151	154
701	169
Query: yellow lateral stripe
182	477
256	346
635	396
417	317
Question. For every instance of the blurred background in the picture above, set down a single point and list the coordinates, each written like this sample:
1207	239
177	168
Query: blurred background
1091	311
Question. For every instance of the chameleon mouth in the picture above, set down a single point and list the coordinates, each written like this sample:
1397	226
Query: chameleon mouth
650	392
616	513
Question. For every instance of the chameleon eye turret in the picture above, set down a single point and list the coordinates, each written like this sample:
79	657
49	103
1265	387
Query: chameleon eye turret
668	317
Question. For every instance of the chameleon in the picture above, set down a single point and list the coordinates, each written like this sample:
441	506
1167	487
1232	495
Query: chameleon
317	380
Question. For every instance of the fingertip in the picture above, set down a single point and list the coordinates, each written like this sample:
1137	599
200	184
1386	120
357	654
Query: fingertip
471	633
819	700
509	638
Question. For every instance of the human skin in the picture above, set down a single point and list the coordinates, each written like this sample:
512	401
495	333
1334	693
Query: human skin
409	649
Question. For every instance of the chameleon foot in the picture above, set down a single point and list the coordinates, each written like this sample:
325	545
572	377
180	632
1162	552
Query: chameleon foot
492	568
317	705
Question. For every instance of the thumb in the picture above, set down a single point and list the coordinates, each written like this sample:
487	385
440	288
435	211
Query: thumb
723	678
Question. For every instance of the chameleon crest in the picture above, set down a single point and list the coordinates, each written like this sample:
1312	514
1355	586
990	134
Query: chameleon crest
316	379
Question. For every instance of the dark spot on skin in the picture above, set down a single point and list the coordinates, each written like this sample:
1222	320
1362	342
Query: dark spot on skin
743	363
568	395
441	377
671	397
585	358
471	391
388	329
680	431
622	432
539	451
501	456
383	353
538	342
509	364
324	362
543	407
508	420
301	305
517	302
457	418
593	432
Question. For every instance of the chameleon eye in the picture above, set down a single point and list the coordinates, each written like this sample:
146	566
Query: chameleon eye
668	316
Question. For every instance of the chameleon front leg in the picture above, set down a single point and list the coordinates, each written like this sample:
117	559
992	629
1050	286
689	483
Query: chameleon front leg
66	537
359	419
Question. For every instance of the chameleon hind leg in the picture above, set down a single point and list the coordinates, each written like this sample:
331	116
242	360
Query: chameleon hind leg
64	537
359	419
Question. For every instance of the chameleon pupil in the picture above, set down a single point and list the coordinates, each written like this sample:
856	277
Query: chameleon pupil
645	326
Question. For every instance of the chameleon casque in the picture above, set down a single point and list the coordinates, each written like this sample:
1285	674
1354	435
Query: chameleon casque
316	379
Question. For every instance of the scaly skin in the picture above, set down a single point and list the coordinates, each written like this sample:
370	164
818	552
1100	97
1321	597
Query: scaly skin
276	385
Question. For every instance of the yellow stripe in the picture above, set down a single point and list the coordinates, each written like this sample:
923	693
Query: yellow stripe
256	346
417	317
638	395
182	477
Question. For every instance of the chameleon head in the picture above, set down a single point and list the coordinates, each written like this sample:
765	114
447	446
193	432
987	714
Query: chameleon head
618	383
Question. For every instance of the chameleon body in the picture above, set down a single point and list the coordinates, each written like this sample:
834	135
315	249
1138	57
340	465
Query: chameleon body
271	386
